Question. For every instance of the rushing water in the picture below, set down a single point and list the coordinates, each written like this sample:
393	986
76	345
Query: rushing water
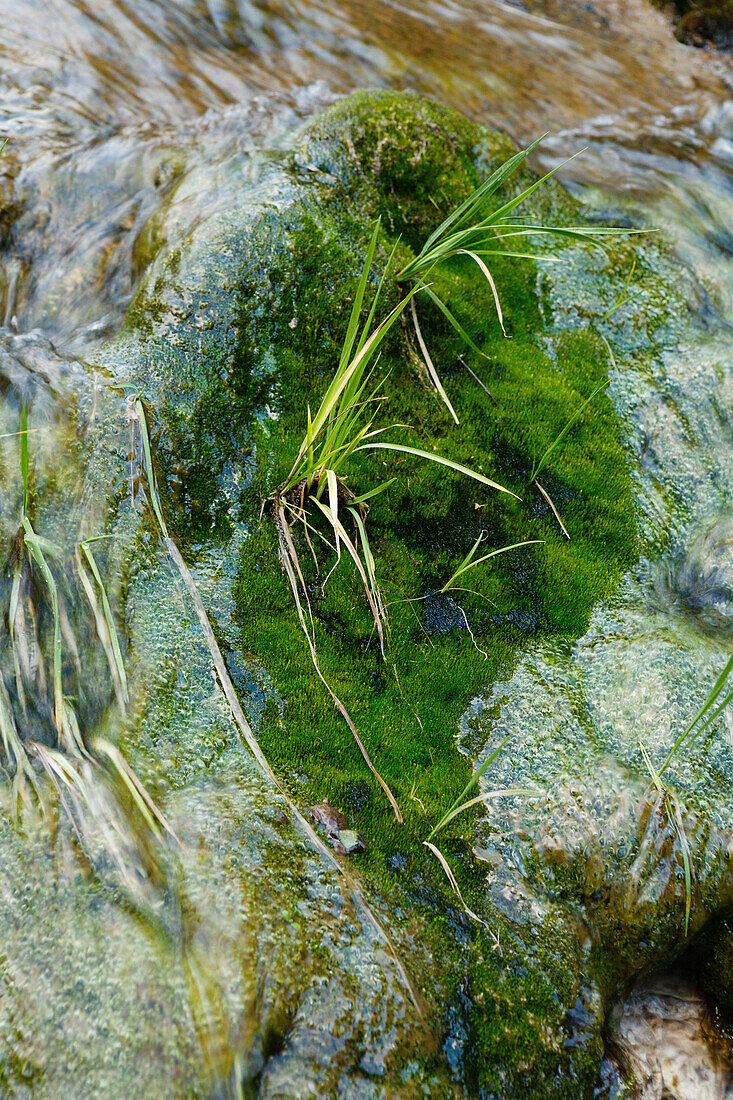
97	99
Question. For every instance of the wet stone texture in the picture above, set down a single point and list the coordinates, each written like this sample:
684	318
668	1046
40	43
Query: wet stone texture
241	959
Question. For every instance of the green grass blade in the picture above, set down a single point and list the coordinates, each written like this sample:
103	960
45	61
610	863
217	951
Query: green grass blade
309	438
470	785
152	483
452	320
466	564
368	561
353	324
487	796
496	215
377	296
373	492
487	274
539	466
466	470
466	209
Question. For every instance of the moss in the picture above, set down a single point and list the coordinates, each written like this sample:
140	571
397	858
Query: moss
262	327
407	706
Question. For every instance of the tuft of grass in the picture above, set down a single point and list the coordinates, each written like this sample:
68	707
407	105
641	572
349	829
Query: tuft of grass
480	234
316	487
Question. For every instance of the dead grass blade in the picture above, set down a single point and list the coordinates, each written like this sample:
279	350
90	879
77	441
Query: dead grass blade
554	510
429	363
452	880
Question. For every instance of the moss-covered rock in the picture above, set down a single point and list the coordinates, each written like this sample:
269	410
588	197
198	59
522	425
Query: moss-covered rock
236	330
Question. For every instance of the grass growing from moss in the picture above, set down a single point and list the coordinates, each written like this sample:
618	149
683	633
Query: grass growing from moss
343	426
422	527
473	231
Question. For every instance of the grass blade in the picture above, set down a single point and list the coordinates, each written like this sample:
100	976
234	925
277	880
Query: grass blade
474	256
467	563
470	785
24	453
36	551
452	880
429	362
119	664
453	321
709	701
466	209
539	466
440	459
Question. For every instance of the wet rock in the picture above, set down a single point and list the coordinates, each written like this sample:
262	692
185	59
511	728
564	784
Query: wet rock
664	1044
268	971
705	22
703	580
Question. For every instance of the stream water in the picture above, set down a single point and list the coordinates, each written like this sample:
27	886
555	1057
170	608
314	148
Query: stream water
97	97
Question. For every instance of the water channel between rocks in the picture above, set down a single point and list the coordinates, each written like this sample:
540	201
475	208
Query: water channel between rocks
152	195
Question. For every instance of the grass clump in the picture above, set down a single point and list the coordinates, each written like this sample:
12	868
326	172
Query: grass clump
342	426
473	231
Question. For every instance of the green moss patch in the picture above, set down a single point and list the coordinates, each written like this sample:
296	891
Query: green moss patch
253	340
406	705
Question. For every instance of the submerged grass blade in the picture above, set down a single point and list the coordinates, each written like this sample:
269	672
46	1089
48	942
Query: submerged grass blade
24	470
152	815
710	700
109	618
36	549
675	813
152	483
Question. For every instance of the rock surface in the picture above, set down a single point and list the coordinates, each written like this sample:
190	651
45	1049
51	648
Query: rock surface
256	963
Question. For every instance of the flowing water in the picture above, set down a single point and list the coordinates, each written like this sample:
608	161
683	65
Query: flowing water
98	99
